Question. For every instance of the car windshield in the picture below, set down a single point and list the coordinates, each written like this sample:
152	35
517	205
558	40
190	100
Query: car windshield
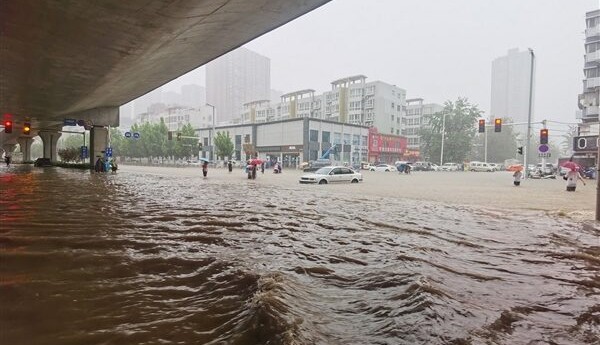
323	171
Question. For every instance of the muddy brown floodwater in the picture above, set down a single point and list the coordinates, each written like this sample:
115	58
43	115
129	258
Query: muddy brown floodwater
138	258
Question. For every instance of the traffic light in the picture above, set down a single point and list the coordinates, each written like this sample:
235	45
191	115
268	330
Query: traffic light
520	150
26	128
497	125
8	126
482	126
543	136
199	146
178	136
169	135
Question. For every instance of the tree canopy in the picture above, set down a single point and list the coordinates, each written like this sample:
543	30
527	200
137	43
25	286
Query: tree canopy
458	120
153	141
223	145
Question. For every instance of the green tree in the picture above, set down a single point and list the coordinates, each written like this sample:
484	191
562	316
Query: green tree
460	119
224	145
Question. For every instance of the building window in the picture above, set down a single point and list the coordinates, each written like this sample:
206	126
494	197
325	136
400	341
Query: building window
325	137
313	135
392	118
356	139
337	138
347	139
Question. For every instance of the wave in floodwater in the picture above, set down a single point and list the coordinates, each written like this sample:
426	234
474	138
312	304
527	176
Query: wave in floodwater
147	259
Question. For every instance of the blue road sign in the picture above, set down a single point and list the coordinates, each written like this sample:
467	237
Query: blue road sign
108	152
84	152
127	134
136	135
543	148
69	122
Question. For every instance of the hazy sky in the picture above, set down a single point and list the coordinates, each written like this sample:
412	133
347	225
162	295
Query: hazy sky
435	49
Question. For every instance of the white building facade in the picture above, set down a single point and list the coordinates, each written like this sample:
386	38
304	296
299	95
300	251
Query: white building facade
292	141
177	116
415	115
511	76
236	78
585	145
352	100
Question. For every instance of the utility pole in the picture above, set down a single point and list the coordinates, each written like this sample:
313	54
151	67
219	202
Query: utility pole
212	133
598	182
528	139
443	135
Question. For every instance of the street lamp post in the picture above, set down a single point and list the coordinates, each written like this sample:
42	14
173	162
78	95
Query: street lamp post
443	135
528	139
212	133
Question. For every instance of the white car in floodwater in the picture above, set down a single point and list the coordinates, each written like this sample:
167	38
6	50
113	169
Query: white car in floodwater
332	174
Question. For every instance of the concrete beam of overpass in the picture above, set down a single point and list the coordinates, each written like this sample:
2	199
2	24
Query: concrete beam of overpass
67	57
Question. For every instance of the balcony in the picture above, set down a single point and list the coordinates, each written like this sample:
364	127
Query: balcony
591	111
592	57
590	83
591	32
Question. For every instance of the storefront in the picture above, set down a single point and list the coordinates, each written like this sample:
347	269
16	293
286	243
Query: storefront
386	148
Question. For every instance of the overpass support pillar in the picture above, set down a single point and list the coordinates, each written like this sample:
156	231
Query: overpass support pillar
8	149
25	144
98	143
50	139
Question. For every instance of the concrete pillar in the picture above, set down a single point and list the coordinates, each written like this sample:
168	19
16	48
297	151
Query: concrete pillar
25	144
8	149
98	143
50	139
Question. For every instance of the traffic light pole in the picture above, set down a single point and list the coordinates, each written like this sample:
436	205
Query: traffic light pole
485	144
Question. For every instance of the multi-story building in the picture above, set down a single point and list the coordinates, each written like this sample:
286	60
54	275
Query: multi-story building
236	78
415	115
193	96
585	145
373	104
176	117
511	76
351	100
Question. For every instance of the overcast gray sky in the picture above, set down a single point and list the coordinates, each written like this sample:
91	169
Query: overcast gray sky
435	49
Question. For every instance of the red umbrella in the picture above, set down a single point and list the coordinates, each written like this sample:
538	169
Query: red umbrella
256	161
571	165
515	167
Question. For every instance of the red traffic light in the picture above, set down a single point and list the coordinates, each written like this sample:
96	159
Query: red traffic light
544	136
8	126
497	125
482	126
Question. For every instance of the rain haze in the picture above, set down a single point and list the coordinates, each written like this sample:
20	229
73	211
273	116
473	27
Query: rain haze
437	50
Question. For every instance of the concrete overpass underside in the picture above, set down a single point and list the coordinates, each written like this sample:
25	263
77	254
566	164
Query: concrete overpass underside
83	59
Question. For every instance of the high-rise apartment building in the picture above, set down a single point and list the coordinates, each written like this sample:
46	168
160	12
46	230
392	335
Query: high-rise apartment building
414	118
236	78
585	144
511	76
193	96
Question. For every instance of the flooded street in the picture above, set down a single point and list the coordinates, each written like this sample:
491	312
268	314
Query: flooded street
150	257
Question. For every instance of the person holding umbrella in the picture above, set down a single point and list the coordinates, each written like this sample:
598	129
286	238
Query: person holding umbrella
517	175
573	175
204	166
